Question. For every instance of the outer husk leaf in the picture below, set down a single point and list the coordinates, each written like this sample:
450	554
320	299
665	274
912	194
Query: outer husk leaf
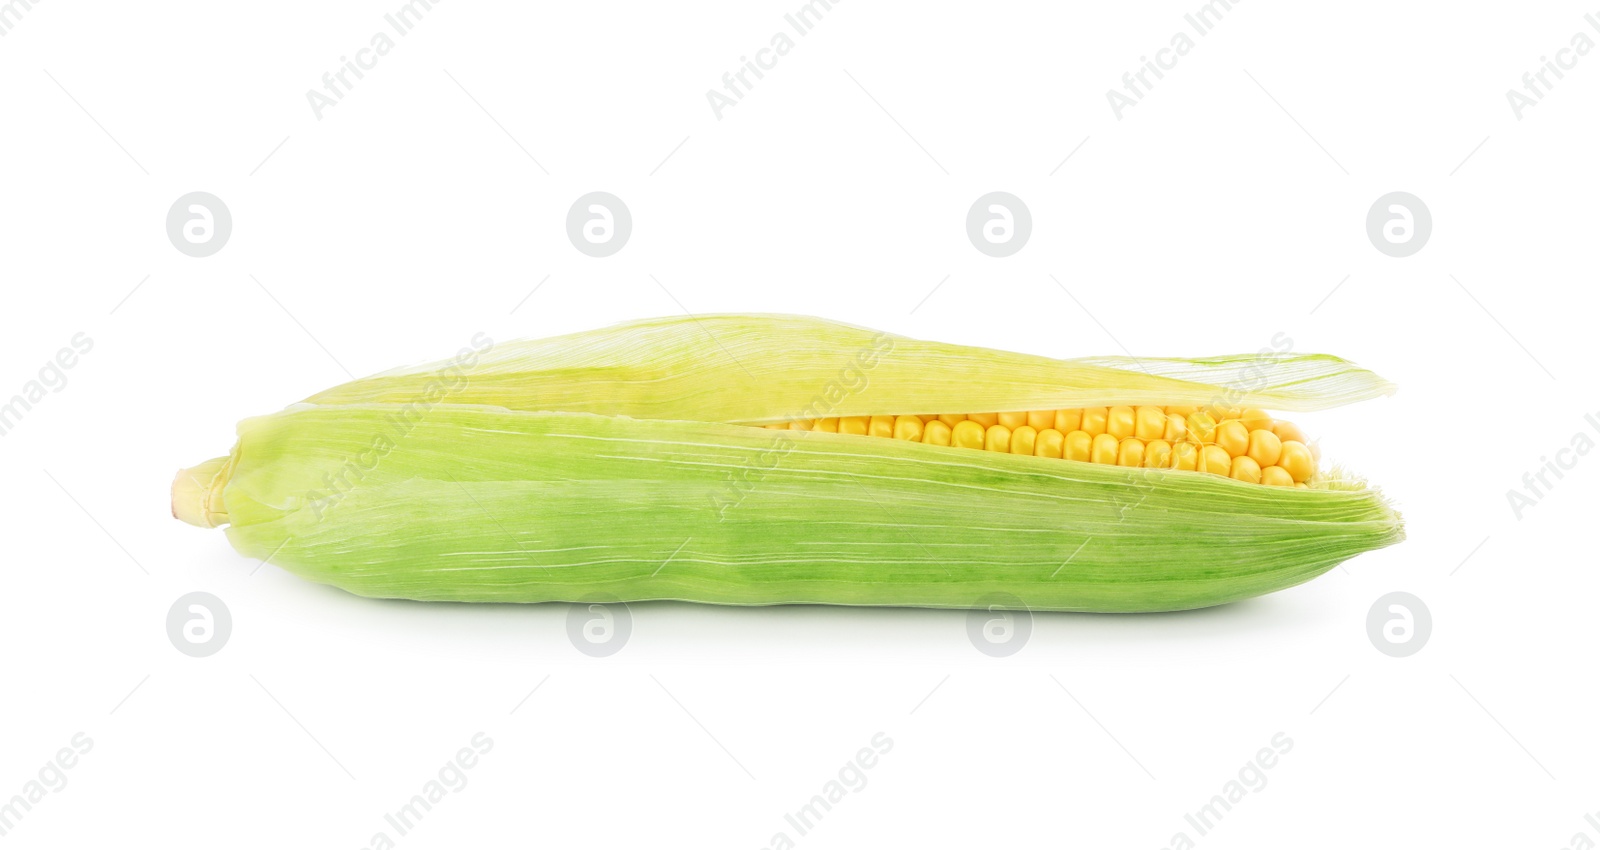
771	368
479	504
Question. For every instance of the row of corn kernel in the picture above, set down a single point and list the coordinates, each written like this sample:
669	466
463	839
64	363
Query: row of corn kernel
1271	452
1146	422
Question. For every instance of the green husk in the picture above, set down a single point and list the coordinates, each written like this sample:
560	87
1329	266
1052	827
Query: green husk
608	465
487	505
763	368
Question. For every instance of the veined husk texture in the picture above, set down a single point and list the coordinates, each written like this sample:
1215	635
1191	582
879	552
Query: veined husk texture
772	368
448	501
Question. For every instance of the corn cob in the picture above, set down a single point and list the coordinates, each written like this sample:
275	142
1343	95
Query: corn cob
695	459
1253	446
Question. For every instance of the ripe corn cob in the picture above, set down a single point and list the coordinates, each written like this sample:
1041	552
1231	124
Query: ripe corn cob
1253	446
627	462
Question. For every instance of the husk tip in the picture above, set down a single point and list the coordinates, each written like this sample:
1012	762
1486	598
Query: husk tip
197	494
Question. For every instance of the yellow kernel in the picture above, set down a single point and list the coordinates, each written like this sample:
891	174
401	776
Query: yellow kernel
908	428
854	425
1022	439
1174	430
800	425
985	419
1158	453
1149	423
927	417
936	433
1302	485
1182	411
1119	422
967	435
1222	413
1185	455
829	425
1078	445
1233	437
1215	460
952	419
1276	476
1255	419
1104	449
881	426
1049	443
1264	448
1296	459
1287	431
1067	421
997	438
1014	419
1130	452
1094	421
1245	469
1202	427
1039	420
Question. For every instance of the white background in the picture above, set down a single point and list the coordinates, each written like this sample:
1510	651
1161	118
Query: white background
1227	206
